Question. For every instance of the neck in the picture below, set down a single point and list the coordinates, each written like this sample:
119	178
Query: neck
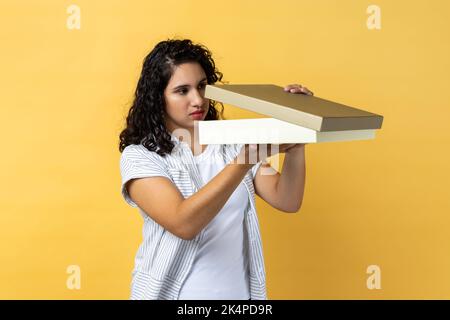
190	136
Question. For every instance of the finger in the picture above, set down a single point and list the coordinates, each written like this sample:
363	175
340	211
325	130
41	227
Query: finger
307	91
251	152
297	88
272	149
291	86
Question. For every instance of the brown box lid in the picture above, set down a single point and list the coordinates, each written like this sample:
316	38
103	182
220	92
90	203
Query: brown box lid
300	109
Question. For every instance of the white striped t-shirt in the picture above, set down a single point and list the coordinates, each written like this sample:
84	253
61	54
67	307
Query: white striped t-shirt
163	260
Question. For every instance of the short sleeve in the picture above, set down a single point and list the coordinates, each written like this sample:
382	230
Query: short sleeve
137	162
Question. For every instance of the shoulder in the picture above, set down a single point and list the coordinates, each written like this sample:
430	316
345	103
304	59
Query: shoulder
136	152
136	157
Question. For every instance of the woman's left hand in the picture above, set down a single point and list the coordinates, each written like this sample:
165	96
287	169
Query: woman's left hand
297	88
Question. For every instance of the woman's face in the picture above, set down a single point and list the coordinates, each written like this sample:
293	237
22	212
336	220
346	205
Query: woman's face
185	95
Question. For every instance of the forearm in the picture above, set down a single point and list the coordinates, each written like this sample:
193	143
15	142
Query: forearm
291	184
199	209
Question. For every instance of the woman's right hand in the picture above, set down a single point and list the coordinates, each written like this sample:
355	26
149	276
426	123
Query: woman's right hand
253	153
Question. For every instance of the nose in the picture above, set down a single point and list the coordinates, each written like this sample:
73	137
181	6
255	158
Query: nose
197	98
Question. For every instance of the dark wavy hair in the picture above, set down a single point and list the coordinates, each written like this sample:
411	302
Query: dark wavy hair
145	121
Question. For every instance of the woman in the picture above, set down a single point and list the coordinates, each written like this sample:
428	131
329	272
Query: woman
201	236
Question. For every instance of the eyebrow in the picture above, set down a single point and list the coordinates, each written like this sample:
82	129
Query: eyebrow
186	85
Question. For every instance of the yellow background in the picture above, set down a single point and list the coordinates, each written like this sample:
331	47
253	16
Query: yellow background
383	202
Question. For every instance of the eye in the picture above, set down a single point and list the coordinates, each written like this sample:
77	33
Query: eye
202	85
182	91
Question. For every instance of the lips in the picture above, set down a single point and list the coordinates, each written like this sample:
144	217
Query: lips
196	112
